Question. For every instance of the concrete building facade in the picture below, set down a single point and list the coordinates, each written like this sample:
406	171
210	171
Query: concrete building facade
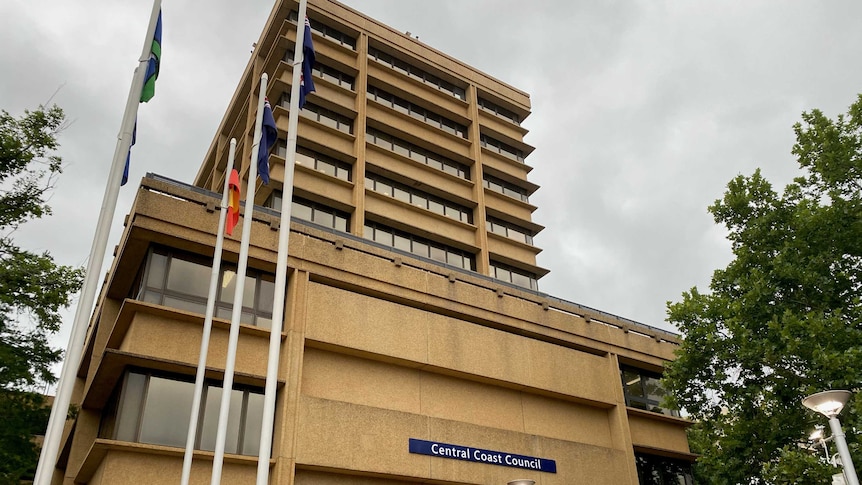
416	346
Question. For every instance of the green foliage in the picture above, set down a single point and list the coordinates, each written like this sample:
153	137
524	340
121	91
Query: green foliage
33	289
783	319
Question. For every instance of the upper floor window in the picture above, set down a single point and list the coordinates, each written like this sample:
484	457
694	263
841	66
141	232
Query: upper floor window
316	161
418	198
515	276
497	146
418	112
416	73
643	390
323	71
661	470
416	153
330	33
510	230
154	408
321	115
181	281
311	211
419	246
499	111
506	188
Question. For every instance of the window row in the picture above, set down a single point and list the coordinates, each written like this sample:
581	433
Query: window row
499	111
509	230
316	161
322	71
321	115
506	188
311	211
330	33
178	280
515	276
643	390
419	246
660	470
416	153
154	408
418	198
495	145
416	73
418	112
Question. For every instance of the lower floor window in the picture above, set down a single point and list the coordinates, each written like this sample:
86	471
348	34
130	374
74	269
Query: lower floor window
660	470
511	275
155	408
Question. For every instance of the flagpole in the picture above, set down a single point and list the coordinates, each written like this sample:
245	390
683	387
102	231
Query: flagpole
242	266
75	349
208	321
265	448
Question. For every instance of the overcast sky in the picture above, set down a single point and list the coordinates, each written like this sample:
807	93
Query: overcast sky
642	111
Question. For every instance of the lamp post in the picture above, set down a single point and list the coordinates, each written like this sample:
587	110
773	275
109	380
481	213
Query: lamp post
522	481
830	404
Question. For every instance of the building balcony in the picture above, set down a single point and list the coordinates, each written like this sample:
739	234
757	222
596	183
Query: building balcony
422	221
400	83
501	125
419	133
419	175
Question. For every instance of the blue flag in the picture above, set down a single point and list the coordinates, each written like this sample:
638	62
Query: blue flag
306	83
268	135
149	89
129	155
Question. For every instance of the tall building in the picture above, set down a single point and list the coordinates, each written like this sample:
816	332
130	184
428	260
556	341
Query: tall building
416	345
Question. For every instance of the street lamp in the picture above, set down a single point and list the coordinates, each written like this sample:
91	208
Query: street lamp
830	404
522	481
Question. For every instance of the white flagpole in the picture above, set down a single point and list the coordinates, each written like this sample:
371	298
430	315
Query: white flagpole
242	265
208	322
265	449
75	349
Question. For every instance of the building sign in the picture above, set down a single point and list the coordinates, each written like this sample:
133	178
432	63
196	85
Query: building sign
478	455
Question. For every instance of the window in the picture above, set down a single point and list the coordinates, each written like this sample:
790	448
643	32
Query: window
421	114
506	188
180	280
416	73
311	211
326	31
659	470
515	276
316	161
509	230
154	408
643	390
499	147
321	115
416	153
499	111
322	71
418	198
419	246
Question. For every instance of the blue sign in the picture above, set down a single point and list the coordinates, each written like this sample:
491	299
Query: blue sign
478	455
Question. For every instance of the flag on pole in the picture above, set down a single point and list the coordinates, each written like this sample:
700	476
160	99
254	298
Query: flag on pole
268	135
129	155
233	195
149	89
306	83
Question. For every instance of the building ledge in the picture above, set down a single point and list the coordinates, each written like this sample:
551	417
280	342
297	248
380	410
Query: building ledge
101	447
658	416
691	457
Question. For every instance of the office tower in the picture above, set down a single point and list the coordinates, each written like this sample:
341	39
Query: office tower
417	347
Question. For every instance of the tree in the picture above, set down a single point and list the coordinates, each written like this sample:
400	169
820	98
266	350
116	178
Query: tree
783	320
33	289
